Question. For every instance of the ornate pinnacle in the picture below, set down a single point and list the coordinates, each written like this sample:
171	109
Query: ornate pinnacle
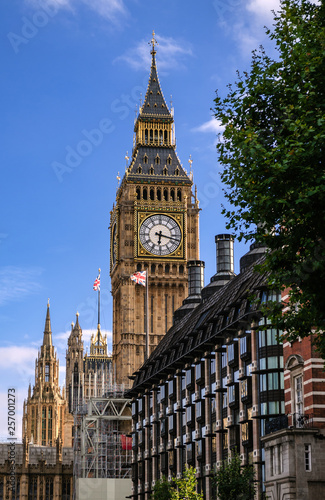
153	42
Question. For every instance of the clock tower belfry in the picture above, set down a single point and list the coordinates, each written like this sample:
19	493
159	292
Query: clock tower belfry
154	226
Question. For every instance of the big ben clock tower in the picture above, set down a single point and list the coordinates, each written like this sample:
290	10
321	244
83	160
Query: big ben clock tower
154	226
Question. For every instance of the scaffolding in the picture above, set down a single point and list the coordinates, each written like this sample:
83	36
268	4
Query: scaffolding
102	447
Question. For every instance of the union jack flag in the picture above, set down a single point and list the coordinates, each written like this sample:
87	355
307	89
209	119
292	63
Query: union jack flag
96	285
139	277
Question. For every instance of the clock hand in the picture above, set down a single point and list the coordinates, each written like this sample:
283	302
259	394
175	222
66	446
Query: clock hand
170	237
159	234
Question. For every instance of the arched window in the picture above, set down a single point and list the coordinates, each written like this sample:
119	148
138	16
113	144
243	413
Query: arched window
138	193
138	267
165	194
165	137
156	136
158	194
169	160
152	194
157	160
146	136
139	169
181	269
145	194
152	170
172	194
176	171
161	137
153	268
165	171
145	159
151	135
179	195
167	268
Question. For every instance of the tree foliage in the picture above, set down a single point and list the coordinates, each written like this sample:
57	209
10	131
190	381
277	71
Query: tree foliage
234	482
186	486
162	490
272	151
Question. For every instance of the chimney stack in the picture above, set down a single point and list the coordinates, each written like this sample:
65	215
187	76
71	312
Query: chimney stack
195	285
225	264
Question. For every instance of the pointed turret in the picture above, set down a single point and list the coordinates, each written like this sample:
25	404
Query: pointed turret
47	338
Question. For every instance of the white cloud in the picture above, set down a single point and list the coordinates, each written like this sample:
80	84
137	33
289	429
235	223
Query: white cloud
19	360
170	54
263	8
212	125
109	9
18	282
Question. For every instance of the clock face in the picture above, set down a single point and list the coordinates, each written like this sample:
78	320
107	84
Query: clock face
160	234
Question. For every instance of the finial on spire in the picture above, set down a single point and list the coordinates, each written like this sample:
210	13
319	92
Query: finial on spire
190	163
48	302
126	159
118	179
153	42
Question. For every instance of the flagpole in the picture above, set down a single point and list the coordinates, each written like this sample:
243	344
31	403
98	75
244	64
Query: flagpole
147	314
98	307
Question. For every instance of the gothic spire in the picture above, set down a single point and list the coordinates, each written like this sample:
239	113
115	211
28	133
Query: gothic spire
154	102
47	338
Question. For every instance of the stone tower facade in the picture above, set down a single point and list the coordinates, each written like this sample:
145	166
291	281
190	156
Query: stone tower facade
87	375
44	409
154	226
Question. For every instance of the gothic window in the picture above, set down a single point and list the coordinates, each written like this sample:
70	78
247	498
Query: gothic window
151	135
158	194
167	268
165	171
181	269
165	137
152	170
44	426
165	194
145	194
179	195
139	171
146	136
32	488
169	160
33	421
177	171
49	489
172	194
138	267
145	159
157	160
156	136
153	268
161	137
49	426
138	193
66	489
152	194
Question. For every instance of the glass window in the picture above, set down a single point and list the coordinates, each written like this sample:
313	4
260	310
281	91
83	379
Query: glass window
272	362
231	352
232	394
262	363
263	386
243	345
273	381
47	372
224	400
308	457
223	359
261	339
243	388
271	335
299	395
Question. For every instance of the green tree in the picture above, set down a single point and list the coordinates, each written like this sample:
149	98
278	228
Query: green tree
234	482
273	153
162	490
186	486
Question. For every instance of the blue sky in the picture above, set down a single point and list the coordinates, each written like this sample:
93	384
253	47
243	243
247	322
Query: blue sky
70	67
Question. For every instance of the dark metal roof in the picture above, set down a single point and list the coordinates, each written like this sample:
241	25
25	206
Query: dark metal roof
157	158
154	102
208	323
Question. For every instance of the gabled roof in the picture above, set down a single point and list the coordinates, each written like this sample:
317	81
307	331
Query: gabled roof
207	323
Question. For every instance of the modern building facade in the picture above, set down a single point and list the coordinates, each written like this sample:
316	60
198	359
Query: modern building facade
154	226
213	383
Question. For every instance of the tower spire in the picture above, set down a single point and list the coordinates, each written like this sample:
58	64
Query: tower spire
47	338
